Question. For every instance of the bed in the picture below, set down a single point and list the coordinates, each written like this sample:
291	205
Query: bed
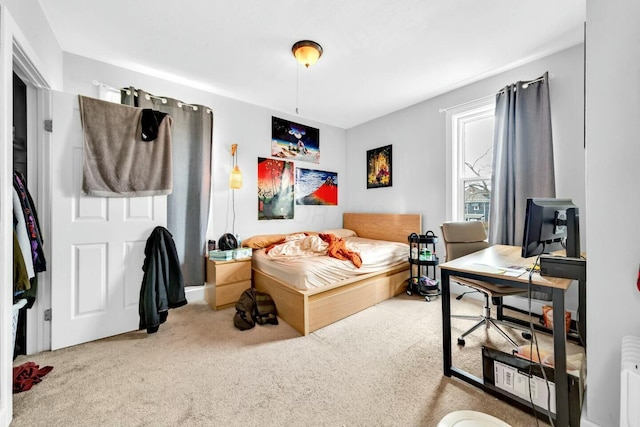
311	309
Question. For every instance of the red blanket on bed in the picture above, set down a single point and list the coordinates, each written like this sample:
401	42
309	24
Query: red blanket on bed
338	249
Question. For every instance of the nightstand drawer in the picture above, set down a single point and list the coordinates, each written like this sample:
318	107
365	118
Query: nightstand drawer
231	271
230	293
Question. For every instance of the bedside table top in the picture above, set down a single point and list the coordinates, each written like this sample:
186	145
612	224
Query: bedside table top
231	261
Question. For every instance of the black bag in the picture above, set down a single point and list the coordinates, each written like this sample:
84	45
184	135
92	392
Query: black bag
265	309
252	307
245	307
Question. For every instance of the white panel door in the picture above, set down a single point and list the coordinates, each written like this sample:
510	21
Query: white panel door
97	244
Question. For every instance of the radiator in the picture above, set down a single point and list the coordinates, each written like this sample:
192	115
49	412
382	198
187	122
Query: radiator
630	382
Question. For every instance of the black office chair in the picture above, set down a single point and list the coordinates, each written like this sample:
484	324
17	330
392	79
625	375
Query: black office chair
463	238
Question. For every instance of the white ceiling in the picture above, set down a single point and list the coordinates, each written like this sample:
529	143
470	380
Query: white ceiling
379	55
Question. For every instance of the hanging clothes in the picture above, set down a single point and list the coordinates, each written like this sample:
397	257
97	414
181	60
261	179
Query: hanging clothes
31	220
162	283
20	276
20	228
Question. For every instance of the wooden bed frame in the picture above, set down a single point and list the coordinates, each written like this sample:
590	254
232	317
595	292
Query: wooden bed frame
310	310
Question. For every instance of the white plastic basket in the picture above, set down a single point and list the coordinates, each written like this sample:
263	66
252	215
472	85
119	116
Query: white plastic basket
16	312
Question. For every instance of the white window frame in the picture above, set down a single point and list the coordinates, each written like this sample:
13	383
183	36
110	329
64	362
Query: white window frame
457	118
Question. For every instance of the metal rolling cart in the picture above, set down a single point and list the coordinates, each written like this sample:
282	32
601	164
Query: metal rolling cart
422	266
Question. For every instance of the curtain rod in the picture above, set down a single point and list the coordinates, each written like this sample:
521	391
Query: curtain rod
147	96
105	86
484	98
488	97
164	101
530	82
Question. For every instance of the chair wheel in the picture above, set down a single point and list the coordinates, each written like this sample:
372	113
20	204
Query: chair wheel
461	342
409	292
427	299
526	335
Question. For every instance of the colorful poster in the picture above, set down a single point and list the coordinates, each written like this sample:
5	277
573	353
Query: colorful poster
294	141
314	187
275	189
379	167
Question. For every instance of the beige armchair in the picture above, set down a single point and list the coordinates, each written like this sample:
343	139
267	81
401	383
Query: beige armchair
463	238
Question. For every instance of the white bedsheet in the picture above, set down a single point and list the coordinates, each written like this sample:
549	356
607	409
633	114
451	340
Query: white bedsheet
314	272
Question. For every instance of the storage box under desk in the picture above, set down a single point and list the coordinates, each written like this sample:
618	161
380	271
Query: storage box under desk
226	280
504	372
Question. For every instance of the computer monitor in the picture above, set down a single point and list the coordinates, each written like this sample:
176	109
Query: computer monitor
551	225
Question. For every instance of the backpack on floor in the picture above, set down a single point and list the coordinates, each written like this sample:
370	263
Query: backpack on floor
254	307
245	307
265	309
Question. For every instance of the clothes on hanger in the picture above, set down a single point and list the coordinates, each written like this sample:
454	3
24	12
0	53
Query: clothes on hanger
20	229
20	276
31	221
28	246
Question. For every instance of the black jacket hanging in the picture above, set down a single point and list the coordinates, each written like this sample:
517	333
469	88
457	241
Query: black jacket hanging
162	283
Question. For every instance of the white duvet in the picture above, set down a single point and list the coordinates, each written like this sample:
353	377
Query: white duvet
299	245
311	271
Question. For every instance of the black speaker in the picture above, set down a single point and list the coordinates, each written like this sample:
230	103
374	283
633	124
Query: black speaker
227	241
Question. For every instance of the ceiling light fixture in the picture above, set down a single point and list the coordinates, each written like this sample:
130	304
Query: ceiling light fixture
307	52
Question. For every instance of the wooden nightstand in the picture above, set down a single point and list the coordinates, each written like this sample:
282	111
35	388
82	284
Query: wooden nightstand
226	280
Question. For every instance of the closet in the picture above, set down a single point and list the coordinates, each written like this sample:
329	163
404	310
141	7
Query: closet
29	261
20	160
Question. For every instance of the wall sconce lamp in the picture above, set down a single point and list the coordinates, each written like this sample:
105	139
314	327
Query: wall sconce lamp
235	179
307	52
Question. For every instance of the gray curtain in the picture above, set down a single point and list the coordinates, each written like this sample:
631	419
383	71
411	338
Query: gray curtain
188	204
522	157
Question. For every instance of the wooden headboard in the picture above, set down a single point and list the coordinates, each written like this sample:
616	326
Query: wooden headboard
392	227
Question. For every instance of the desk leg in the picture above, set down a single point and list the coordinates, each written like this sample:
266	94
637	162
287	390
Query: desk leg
560	359
582	315
446	321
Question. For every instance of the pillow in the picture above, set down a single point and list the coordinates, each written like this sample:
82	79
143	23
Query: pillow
341	233
262	241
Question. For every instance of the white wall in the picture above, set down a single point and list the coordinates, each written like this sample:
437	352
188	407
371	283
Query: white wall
35	27
613	155
418	136
234	122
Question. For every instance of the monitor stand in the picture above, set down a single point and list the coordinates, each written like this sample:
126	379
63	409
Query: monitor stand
570	268
565	267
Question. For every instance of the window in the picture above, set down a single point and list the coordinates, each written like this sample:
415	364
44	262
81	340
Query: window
471	142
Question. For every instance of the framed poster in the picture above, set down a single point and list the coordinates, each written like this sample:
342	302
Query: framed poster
294	141
275	189
314	187
379	167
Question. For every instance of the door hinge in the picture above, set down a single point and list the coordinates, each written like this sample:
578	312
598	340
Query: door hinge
48	125
47	315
